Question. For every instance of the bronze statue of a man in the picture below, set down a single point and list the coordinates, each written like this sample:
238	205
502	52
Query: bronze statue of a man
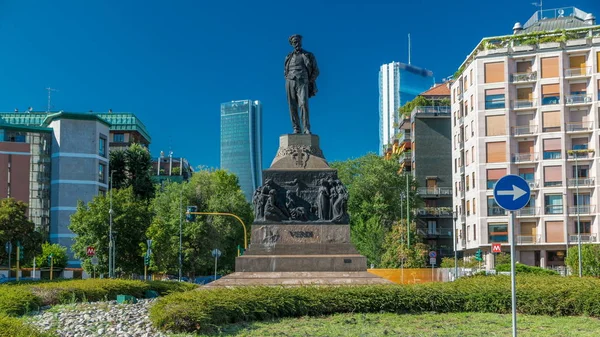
300	73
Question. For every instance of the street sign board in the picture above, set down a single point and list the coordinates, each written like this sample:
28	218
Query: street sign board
512	192
216	253
91	251
149	242
95	261
432	261
432	254
8	247
496	248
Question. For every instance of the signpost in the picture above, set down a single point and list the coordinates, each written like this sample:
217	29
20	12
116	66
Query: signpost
432	261
216	253
512	193
147	259
94	263
8	248
51	261
19	256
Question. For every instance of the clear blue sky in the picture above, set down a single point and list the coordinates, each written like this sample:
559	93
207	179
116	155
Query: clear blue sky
173	62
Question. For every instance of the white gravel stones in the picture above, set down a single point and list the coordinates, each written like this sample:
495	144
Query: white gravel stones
98	319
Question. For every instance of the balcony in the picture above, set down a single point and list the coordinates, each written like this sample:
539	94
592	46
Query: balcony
459	97
441	212
528	211
461	192
575	72
426	192
461	170
524	77
524	130
496	211
585	238
580	126
529	239
524	104
431	111
524	157
406	156
581	182
533	184
580	154
435	232
404	137
553	209
461	121
581	210
578	99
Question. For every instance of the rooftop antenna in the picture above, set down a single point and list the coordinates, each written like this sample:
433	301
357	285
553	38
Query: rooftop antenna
540	5
408	48
50	90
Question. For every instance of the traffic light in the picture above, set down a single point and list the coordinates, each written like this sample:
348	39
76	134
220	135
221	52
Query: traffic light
190	217
147	259
478	256
21	251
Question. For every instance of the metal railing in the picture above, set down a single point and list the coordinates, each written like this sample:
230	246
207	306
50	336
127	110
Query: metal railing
496	211
553	209
533	184
524	103
578	99
581	209
404	137
524	77
580	126
435	191
524	130
431	110
528	239
580	71
528	211
581	182
587	238
580	154
435	231
435	211
405	156
524	157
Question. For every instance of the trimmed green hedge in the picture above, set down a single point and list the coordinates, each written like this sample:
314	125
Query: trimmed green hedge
13	327
20	299
205	310
523	268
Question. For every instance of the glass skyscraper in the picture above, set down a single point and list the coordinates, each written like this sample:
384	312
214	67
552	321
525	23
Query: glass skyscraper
399	83
241	143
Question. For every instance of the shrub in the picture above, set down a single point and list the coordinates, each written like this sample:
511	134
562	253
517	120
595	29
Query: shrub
523	268
13	327
590	260
17	300
205	310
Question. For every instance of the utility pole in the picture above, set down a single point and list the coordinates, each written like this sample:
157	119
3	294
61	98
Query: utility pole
578	220
407	212
180	228
50	90
110	231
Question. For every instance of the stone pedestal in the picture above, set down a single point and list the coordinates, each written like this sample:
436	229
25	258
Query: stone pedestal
301	232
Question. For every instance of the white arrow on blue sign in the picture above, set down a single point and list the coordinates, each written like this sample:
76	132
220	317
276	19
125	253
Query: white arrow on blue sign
512	192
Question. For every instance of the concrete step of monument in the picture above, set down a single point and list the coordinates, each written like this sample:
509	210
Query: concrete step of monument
298	279
301	249
301	263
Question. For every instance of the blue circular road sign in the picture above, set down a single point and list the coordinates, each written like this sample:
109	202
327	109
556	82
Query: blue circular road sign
512	192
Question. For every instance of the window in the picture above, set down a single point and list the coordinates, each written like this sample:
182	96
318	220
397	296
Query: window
552	148
549	67
552	176
581	171
577	66
473	127
466	132
579	144
527	174
467	182
494	99
473	180
493	175
585	227
495	125
473	203
471	99
432	227
524	67
102	173
493	208
471	76
555	231
494	72
472	154
498	232
468	207
550	94
598	62
474	229
119	137
496	152
551	121
553	204
102	147
524	98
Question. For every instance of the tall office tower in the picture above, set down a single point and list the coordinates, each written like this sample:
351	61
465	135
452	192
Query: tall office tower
399	83
241	143
527	104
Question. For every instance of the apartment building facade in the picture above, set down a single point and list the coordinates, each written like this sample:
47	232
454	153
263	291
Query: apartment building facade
528	104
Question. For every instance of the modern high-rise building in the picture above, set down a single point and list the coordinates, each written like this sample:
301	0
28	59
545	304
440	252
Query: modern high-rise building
528	104
399	83
241	143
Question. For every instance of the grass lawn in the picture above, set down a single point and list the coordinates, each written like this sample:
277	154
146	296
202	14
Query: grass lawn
430	325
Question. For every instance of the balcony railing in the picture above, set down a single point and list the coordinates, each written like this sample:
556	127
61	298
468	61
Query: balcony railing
524	103
528	239
553	209
496	211
434	191
524	130
405	156
524	77
581	209
461	121
431	111
445	232
581	182
581	71
528	211
435	211
524	157
404	137
533	184
578	99
580	154
580	126
587	238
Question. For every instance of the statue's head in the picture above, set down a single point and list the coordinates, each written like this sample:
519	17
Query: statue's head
296	41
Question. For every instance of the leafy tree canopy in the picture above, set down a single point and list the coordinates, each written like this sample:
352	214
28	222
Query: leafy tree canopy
15	226
133	167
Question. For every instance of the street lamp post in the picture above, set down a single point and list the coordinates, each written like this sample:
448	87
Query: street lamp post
180	228
454	217
110	230
577	210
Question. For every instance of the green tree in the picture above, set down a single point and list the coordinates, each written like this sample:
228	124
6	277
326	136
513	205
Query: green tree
59	255
15	226
210	191
375	190
133	167
397	253
131	218
590	260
